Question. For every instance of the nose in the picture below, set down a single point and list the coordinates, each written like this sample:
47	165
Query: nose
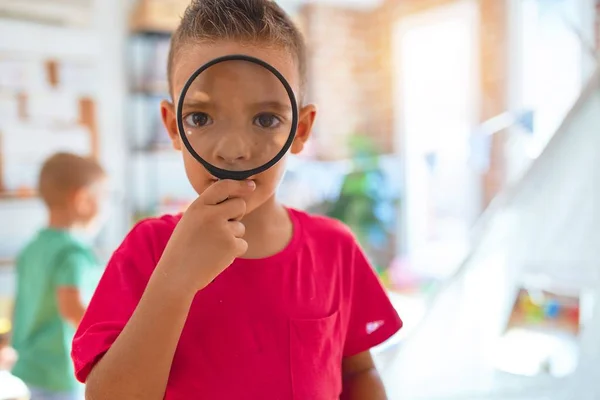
233	149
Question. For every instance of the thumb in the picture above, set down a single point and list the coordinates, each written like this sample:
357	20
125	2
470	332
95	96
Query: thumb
222	190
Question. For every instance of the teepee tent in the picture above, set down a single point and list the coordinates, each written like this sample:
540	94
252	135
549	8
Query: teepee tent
546	230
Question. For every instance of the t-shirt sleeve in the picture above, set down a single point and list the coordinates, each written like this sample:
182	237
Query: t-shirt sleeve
372	317
72	267
114	300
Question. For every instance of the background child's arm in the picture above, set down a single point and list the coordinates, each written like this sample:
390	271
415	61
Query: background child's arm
361	380
70	306
69	281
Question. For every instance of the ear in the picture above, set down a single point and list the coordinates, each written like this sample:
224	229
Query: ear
81	200
169	118
306	119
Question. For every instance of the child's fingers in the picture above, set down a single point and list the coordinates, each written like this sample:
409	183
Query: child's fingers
233	209
225	189
237	228
241	247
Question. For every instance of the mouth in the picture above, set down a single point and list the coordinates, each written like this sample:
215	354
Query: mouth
215	180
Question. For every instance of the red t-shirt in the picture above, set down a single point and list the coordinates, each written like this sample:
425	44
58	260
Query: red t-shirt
275	328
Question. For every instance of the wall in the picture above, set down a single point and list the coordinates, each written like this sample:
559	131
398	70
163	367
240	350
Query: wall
19	218
101	43
597	26
347	77
110	24
351	72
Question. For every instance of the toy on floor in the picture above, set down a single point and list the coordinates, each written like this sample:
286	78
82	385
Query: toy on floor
544	308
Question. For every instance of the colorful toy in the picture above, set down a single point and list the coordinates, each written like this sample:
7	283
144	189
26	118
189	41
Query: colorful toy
552	309
573	314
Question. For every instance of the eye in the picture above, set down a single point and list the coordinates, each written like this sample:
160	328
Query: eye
197	119
267	121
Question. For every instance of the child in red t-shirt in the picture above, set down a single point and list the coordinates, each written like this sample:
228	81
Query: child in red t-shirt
239	297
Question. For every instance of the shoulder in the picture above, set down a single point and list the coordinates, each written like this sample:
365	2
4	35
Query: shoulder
56	249
324	229
76	252
148	237
154	227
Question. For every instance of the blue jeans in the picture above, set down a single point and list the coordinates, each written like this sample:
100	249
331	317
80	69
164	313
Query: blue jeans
43	394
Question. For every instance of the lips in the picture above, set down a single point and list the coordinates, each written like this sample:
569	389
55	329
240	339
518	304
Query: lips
214	180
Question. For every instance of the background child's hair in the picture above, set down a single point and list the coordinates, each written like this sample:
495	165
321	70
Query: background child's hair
250	21
64	173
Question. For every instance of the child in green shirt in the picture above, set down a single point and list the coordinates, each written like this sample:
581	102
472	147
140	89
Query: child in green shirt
55	271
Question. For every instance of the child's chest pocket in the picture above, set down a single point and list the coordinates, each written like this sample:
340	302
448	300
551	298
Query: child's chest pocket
316	358
260	357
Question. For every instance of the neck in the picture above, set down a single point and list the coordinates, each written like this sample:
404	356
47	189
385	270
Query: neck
268	229
61	219
267	214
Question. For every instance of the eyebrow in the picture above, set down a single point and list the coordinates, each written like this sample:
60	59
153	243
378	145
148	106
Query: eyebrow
270	104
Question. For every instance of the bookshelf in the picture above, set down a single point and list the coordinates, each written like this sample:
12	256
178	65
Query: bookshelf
157	182
157	179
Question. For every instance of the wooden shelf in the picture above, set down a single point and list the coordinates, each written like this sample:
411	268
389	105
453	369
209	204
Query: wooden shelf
10	195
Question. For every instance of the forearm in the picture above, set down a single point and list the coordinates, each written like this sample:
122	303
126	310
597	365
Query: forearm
76	315
70	306
138	363
365	385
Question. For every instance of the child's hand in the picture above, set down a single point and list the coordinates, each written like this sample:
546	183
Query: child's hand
209	236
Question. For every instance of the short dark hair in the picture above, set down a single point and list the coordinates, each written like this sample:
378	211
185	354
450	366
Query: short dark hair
252	21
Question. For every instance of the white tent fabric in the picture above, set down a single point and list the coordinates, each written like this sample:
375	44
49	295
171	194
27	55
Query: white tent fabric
547	226
558	201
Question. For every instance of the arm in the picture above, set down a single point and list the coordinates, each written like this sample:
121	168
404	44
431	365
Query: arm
69	279
361	380
138	363
70	306
372	320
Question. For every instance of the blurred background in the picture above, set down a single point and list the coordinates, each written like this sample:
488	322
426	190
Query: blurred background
457	138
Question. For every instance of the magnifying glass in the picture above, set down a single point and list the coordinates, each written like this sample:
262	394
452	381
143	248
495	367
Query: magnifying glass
237	116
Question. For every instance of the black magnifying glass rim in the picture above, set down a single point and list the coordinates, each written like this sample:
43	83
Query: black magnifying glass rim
225	173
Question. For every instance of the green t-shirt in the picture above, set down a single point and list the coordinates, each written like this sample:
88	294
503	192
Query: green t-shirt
53	259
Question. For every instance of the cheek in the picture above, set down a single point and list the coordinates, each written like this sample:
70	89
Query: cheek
88	209
271	178
196	174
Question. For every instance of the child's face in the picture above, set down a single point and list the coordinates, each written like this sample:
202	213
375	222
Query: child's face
91	205
190	57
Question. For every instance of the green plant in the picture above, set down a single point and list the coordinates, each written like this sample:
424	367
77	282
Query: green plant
364	205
